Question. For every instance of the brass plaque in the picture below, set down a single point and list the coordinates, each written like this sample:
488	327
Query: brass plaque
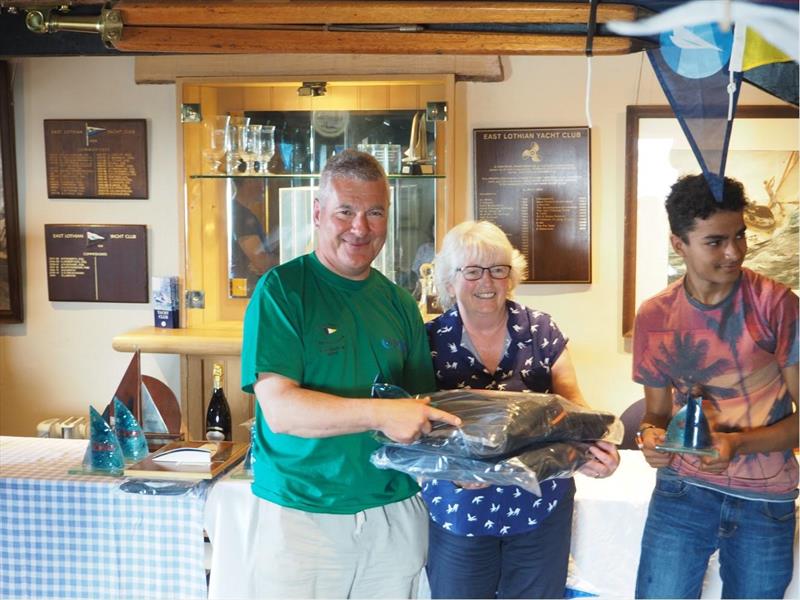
535	185
96	263
96	158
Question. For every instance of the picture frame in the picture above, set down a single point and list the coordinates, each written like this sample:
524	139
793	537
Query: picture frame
10	272
762	155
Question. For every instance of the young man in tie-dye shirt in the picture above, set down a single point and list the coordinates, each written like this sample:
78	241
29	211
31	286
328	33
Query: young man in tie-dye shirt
730	334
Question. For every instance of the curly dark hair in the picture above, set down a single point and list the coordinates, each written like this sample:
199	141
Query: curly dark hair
690	198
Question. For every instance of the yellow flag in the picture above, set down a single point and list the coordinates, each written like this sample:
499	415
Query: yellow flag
758	51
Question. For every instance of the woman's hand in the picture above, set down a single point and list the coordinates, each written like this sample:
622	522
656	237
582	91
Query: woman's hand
471	485
604	461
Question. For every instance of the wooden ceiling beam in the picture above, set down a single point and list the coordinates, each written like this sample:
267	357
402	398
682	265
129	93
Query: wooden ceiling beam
188	40
233	13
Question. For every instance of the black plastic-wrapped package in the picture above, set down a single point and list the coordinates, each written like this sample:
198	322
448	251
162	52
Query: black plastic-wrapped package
528	469
498	424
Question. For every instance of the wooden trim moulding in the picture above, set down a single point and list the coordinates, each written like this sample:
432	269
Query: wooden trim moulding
195	40
165	69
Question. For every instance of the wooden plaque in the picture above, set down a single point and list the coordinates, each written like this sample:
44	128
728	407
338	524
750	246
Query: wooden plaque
96	158
96	263
535	185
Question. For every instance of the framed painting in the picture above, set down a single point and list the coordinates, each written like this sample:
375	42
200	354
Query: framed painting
763	155
10	276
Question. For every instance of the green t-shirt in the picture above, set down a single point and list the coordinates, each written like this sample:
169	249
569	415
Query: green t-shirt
335	335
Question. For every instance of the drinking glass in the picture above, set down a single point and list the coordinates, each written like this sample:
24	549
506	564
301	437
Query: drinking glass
234	163
216	130
249	140
265	147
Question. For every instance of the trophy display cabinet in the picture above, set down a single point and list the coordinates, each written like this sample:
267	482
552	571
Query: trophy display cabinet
245	209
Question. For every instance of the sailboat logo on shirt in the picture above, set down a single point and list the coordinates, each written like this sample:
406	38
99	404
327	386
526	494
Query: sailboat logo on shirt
329	340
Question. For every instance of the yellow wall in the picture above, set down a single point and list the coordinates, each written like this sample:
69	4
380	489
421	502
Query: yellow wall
60	359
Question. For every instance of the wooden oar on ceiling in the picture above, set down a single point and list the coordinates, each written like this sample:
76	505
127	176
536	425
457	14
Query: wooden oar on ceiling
396	27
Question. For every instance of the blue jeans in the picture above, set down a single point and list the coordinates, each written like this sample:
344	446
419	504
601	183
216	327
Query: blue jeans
687	523
527	565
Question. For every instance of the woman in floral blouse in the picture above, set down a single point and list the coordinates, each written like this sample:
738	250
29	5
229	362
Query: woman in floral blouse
493	541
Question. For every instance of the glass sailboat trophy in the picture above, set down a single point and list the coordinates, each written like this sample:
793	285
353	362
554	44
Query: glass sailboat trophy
688	431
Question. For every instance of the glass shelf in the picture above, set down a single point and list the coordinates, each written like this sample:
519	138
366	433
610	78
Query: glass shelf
285	176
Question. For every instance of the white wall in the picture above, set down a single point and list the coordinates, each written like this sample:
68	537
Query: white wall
60	359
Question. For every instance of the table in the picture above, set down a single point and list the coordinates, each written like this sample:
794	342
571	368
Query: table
606	534
79	535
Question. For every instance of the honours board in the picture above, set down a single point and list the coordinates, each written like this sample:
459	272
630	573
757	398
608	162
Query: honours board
96	158
96	263
534	184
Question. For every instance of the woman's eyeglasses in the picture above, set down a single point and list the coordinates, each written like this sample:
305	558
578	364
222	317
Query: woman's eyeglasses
474	272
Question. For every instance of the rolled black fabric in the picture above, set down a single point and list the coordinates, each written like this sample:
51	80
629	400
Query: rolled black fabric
496	424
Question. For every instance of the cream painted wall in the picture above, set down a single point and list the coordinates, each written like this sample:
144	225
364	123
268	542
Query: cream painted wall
60	359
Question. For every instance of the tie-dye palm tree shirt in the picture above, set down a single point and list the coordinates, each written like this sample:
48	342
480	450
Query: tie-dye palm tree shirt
736	350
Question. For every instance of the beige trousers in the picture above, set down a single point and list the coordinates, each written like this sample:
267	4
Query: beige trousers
376	553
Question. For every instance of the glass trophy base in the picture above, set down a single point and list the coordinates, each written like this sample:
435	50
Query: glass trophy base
687	450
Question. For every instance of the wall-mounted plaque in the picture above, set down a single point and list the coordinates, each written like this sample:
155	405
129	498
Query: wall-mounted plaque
96	158
96	263
535	185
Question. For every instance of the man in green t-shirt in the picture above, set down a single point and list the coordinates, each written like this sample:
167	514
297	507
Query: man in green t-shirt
317	332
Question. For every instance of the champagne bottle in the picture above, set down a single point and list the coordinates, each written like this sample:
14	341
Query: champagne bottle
218	416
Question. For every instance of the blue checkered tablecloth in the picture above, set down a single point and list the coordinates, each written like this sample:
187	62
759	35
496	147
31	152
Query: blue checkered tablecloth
66	535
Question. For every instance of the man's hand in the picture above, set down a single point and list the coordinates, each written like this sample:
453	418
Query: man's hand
655	458
405	420
725	444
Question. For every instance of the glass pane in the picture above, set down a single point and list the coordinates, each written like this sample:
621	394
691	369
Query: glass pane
269	217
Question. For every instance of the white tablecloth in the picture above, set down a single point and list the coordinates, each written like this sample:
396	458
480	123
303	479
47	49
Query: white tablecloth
606	533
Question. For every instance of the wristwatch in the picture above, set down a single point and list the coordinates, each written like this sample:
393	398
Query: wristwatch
642	428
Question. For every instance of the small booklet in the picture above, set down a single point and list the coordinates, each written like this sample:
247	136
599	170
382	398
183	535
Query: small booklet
188	460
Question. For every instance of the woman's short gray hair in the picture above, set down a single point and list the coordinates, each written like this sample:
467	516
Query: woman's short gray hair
476	242
350	164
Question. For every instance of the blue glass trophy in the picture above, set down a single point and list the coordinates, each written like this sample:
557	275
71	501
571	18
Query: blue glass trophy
103	453
688	431
129	433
